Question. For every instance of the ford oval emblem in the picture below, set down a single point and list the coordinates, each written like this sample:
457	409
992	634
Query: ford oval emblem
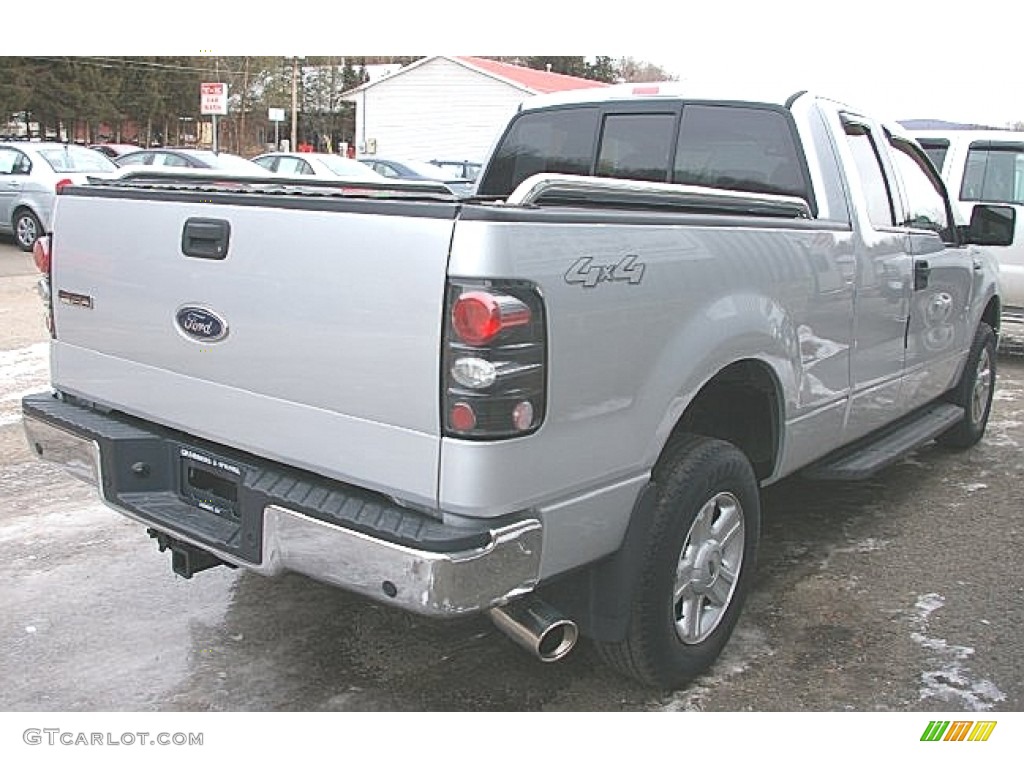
201	324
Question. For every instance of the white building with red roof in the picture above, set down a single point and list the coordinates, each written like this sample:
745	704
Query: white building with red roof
446	107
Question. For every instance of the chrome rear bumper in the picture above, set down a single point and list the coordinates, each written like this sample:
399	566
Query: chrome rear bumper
504	565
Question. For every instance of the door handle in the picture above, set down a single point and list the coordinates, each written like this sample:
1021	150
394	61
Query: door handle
921	272
205	238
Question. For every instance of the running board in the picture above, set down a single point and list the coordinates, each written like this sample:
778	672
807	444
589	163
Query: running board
866	457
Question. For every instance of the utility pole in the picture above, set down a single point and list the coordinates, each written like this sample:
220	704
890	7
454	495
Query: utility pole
240	137
216	79
295	102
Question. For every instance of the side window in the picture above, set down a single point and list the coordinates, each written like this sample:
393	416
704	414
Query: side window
936	150
994	174
636	147
385	170
872	178
293	166
748	149
13	162
141	158
174	161
926	204
555	141
8	160
22	165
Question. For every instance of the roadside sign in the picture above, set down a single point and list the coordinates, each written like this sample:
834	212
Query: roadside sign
213	98
276	115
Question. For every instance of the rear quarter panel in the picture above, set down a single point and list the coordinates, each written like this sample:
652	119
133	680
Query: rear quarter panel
624	360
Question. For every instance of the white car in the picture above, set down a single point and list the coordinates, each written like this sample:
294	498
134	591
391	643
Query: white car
318	164
31	172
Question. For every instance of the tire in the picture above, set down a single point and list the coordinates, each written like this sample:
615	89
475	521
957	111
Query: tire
698	565
27	229
973	392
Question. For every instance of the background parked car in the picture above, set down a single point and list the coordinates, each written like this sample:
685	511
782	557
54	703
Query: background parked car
394	168
31	173
115	150
183	158
319	164
467	169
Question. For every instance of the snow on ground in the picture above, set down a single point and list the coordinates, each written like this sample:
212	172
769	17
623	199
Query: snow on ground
949	678
22	371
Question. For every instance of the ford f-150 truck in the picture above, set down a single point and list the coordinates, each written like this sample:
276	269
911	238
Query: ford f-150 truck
556	401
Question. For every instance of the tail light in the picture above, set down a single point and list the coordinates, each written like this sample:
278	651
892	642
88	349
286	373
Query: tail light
495	358
43	257
61	184
41	254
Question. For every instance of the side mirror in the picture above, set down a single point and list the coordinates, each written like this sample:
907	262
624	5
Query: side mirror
990	225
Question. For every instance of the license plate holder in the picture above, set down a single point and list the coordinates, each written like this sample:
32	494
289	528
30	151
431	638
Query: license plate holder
210	482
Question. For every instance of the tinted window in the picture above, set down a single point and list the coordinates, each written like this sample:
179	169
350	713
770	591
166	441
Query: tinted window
557	141
872	178
266	162
742	148
636	147
994	174
926	205
936	150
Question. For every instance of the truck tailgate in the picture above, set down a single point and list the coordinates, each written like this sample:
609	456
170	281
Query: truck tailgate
331	314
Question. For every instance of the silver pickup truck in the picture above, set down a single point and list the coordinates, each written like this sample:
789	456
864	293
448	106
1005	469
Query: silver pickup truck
556	401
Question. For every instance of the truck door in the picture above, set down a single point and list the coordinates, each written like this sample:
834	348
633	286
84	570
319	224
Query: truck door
883	283
942	278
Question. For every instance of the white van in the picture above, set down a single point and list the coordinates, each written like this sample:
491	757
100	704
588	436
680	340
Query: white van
986	166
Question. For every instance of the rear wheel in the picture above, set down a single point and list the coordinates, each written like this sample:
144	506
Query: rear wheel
974	391
27	229
700	558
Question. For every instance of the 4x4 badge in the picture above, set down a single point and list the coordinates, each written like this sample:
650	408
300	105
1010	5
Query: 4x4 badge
584	272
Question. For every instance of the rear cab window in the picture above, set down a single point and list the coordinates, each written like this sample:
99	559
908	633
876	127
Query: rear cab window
548	141
741	147
749	149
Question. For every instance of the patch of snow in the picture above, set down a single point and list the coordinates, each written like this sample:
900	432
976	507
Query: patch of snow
950	678
22	371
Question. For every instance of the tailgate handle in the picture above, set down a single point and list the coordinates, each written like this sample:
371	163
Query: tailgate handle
205	238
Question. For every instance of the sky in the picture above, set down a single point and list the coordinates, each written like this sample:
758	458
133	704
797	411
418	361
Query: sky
892	59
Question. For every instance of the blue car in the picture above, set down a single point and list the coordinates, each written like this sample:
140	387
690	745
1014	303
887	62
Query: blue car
419	170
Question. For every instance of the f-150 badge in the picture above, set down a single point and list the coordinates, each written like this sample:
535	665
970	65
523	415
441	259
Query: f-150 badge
584	272
201	324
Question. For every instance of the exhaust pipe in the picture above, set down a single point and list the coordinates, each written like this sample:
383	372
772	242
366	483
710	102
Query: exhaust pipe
537	627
